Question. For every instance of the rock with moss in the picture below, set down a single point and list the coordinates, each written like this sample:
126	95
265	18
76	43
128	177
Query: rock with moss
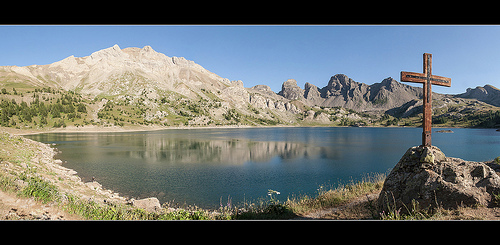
424	175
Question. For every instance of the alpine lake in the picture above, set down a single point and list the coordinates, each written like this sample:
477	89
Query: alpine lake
213	167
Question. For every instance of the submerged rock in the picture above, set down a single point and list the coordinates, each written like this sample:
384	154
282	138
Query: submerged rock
444	131
427	176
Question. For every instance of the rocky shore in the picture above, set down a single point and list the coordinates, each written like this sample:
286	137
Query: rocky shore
23	160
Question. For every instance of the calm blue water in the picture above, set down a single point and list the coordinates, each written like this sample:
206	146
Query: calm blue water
203	166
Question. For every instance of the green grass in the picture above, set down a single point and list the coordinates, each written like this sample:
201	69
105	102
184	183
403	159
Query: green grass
294	207
39	189
338	196
415	212
94	211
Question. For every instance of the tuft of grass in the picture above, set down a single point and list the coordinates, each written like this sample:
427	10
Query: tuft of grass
94	211
415	212
40	189
338	196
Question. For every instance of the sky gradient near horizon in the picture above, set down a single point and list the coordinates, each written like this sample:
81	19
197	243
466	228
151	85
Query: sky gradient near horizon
270	55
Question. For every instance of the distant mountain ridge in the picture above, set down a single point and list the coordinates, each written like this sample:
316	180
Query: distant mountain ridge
344	92
174	91
488	94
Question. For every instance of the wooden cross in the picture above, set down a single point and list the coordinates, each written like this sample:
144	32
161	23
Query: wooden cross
427	79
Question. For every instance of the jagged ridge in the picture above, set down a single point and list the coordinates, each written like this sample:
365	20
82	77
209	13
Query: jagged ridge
344	92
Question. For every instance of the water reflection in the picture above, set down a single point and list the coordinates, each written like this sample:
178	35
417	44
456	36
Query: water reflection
234	151
158	148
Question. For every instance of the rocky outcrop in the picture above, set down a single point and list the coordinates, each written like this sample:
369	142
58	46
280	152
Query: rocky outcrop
424	175
313	117
262	97
264	89
291	91
312	94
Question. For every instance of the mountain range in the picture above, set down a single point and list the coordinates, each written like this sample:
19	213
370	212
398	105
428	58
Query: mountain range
174	90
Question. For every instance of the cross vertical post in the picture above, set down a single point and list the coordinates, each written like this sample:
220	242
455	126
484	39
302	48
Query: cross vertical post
427	79
427	123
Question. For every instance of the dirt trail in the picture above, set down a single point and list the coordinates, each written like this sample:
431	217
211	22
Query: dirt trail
364	208
13	207
359	208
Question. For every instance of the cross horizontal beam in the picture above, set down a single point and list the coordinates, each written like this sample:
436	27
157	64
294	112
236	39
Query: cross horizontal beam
427	79
422	78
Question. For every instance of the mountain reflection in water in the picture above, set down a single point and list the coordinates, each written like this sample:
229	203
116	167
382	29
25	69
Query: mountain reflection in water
234	151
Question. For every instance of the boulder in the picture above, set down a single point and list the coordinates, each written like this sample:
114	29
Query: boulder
427	176
150	204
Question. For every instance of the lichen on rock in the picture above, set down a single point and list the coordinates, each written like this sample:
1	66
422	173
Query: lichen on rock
427	176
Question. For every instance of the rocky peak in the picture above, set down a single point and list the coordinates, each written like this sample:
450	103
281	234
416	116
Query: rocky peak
339	81
291	90
311	92
290	83
264	89
389	81
147	48
491	87
345	92
390	84
309	86
149	52
114	51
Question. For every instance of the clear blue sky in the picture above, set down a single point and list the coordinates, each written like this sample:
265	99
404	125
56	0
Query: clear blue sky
270	55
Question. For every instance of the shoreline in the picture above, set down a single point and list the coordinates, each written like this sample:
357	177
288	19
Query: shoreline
94	129
112	129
